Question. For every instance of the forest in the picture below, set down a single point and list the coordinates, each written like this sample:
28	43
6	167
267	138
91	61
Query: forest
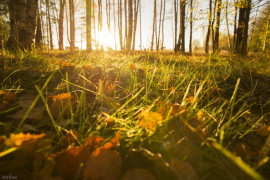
135	89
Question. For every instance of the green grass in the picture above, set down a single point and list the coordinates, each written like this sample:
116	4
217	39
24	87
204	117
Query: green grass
162	81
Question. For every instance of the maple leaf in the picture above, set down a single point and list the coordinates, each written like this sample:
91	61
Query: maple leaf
149	120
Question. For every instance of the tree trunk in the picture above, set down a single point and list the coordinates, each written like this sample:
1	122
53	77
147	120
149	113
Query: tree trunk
163	18
227	23
191	23
235	24
130	24
49	21
23	24
209	28
181	40
88	25
216	40
159	25
135	23
61	24
126	31
154	24
242	31
38	38
175	23
72	25
120	23
266	33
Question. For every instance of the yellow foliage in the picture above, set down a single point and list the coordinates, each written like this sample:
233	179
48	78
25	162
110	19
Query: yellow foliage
149	120
19	139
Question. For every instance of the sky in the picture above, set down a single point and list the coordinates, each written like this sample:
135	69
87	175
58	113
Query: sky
108	38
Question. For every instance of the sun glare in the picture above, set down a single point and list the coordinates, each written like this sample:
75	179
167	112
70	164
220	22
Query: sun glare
106	39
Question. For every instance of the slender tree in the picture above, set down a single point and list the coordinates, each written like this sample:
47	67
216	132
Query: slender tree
216	39
175	22
89	25
49	24
160	24
72	25
190	25
154	24
163	19
130	24
209	28
126	30
61	24
235	23
227	24
181	40
136	9
120	23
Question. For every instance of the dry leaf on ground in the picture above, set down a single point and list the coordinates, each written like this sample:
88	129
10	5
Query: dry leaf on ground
184	170
106	166
138	174
149	120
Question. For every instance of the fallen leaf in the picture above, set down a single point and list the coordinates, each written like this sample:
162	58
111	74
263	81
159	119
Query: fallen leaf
68	163
149	120
138	174
191	99
263	131
16	140
63	102
183	170
132	66
200	115
10	96
106	166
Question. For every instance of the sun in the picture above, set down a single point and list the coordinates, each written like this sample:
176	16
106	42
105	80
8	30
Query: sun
106	38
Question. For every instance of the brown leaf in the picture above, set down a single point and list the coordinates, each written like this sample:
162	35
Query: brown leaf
138	174
264	131
68	162
62	102
183	170
105	166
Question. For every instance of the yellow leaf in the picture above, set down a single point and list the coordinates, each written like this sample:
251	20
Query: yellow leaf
149	120
19	139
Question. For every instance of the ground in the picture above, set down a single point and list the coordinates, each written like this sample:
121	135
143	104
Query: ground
134	115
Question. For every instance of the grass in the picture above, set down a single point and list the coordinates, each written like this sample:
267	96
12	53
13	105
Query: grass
204	117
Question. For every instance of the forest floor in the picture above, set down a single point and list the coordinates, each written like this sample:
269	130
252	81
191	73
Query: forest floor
137	115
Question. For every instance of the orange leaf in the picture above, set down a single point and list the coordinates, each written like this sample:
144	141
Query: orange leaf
18	139
87	67
132	66
191	99
9	96
200	115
